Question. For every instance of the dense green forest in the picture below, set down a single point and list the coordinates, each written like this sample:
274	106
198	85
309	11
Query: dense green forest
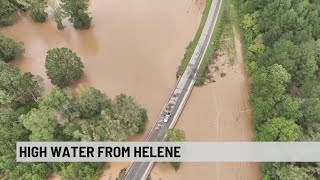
282	49
85	114
63	114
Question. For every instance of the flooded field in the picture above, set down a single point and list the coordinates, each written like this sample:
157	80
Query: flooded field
219	111
133	47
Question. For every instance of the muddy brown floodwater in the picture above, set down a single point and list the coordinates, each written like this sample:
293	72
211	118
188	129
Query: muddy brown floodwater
219	111
134	47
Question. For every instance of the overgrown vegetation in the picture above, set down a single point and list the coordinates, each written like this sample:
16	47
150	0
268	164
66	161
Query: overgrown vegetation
203	75
175	135
282	40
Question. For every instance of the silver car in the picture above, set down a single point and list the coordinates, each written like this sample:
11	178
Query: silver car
166	117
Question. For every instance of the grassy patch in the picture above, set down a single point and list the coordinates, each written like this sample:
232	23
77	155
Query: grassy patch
223	38
191	47
227	37
203	74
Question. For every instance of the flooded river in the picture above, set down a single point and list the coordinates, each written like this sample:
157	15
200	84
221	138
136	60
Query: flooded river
135	47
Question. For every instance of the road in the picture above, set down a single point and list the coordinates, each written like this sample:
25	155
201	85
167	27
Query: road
178	98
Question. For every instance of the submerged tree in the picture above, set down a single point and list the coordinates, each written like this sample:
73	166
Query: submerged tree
63	66
35	8
7	12
17	89
58	16
175	135
91	101
131	116
76	10
9	49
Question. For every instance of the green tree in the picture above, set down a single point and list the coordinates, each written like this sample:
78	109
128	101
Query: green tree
84	171
279	129
42	123
289	109
291	172
103	128
7	12
250	25
131	116
257	47
307	66
58	15
283	52
268	85
18	89
63	66
37	13
35	8
91	101
63	102
311	89
310	112
76	10
175	135
34	171
263	109
10	132
270	82
9	49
